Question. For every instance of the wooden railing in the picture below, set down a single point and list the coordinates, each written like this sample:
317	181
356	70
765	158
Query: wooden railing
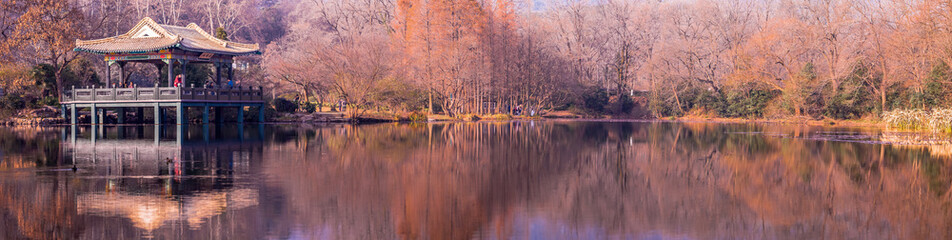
136	94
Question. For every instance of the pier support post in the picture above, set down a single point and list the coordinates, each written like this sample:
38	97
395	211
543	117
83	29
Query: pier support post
72	114
261	113
241	132
241	114
93	115
205	114
158	114
205	133
121	116
179	114
139	115
157	133
219	114
92	134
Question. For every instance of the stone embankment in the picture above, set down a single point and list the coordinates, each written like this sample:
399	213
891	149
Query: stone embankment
32	121
35	117
310	118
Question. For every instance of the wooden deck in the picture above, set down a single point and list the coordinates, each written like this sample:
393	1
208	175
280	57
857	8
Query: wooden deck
120	99
162	94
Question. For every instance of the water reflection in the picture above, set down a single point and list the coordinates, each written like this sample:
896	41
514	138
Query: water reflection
490	180
130	181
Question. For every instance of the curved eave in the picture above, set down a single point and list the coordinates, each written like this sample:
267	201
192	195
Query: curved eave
99	51
242	53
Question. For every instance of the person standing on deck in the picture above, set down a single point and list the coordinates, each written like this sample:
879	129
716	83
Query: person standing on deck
178	81
231	84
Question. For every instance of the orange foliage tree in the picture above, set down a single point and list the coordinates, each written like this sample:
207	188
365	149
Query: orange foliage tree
46	31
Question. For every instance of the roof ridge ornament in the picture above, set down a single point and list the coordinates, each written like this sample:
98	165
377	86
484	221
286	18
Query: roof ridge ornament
201	31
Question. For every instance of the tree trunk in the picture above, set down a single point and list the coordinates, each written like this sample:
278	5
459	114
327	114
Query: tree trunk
59	83
882	95
320	102
678	100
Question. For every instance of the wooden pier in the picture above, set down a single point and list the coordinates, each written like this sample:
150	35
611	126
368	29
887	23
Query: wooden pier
121	100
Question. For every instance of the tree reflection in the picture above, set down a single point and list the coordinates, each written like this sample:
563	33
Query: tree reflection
487	180
452	181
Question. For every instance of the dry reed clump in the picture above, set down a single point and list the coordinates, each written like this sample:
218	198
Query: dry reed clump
936	120
941	120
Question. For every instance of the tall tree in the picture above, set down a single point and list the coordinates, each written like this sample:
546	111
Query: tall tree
46	31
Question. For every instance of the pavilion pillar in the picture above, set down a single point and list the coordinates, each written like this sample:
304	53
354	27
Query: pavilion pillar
231	71
170	70
183	63
108	73
158	69
218	74
122	73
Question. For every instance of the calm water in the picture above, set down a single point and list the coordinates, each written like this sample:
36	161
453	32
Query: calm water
505	180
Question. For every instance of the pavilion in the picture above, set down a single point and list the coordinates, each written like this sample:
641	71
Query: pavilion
169	47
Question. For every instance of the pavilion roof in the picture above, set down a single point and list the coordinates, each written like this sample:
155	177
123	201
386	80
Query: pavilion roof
149	36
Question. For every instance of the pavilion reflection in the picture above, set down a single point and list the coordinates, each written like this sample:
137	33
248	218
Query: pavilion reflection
157	176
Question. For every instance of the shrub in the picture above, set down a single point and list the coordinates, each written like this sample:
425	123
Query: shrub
12	102
469	117
620	104
308	107
851	99
252	114
803	96
938	89
32	101
662	104
750	102
49	101
284	105
417	117
497	117
594	100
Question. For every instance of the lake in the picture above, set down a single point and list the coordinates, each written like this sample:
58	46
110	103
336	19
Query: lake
484	180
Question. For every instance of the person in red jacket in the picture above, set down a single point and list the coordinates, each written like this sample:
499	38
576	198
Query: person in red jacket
178	81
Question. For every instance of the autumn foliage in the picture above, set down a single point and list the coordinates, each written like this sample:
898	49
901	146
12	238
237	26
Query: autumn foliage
752	59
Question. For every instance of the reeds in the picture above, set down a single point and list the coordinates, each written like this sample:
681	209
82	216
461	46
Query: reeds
939	120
